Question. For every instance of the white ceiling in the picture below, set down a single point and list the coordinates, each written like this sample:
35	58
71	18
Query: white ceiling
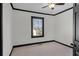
38	7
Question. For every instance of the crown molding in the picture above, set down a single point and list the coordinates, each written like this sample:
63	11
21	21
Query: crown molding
40	12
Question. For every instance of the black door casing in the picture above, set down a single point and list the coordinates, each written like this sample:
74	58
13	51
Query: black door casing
76	29
1	45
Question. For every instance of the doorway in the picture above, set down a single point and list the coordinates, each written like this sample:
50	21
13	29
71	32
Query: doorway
76	29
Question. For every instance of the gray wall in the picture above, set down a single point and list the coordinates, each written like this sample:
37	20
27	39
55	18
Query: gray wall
64	27
22	28
58	27
7	30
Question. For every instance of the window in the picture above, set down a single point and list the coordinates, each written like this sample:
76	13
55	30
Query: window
37	26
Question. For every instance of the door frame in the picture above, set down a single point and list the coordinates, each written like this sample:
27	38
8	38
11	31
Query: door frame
74	22
1	32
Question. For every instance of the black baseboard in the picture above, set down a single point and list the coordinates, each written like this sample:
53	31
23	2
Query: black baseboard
32	43
11	51
42	43
39	43
63	44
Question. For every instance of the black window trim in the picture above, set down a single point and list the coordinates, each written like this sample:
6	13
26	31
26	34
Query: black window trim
32	26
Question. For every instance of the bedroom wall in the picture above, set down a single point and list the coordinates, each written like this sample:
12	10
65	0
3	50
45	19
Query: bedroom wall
22	28
59	27
64	27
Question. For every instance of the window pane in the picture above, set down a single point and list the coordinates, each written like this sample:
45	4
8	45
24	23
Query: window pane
37	27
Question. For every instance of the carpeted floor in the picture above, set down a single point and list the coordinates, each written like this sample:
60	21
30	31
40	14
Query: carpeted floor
45	49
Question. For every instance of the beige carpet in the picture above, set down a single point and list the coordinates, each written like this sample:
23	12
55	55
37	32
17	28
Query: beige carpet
45	49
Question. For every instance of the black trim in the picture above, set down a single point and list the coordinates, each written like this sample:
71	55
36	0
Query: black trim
74	21
11	51
40	12
1	24
42	18
29	10
41	43
62	44
74	29
33	11
12	5
63	11
33	43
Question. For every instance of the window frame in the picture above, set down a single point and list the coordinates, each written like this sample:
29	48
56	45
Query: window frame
42	18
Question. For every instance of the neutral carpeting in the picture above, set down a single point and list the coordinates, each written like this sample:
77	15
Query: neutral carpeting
45	49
